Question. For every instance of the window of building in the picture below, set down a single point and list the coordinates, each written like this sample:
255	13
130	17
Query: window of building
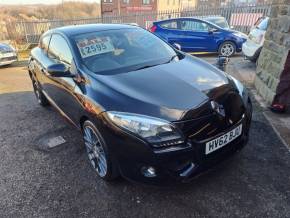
145	2
108	1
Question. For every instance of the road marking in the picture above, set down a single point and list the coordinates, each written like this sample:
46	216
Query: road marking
55	141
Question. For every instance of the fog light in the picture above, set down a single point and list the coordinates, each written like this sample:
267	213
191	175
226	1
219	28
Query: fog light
148	171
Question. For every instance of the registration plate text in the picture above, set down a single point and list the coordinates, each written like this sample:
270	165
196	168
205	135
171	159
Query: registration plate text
223	140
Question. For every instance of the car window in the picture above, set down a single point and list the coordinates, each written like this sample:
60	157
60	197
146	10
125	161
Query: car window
169	24
263	24
59	49
122	50
221	22
44	42
194	25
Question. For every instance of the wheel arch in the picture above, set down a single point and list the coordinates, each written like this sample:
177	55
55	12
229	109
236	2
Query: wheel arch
226	40
82	120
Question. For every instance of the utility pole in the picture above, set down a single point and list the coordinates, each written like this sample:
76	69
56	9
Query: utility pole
62	6
119	7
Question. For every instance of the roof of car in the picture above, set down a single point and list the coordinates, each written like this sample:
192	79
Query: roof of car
213	17
194	18
86	28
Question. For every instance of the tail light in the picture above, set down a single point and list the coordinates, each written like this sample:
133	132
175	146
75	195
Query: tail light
153	29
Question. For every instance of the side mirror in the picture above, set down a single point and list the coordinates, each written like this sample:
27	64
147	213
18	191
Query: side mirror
59	70
177	46
212	30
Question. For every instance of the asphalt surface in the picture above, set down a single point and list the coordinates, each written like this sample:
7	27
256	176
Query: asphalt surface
36	181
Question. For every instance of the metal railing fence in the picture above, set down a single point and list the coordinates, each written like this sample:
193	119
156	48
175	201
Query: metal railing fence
240	18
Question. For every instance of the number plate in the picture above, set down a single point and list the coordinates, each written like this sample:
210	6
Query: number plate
94	46
223	140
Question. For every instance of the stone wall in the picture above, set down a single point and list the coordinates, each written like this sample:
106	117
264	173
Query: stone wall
275	50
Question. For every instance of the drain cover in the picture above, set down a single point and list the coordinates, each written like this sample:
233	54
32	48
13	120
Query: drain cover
55	141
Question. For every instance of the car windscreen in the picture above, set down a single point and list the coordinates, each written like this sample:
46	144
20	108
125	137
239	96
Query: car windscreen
122	50
263	24
221	22
5	48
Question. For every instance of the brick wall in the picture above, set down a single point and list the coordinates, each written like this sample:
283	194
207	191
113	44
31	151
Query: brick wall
127	6
273	56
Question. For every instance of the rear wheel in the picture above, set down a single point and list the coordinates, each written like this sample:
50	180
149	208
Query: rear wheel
227	49
41	99
99	156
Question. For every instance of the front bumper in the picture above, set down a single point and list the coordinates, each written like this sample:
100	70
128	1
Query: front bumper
132	155
240	43
251	49
7	61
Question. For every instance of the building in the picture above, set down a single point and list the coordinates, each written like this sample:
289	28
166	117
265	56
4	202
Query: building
167	5
123	7
188	4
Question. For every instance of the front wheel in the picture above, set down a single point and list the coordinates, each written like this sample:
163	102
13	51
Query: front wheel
98	153
227	49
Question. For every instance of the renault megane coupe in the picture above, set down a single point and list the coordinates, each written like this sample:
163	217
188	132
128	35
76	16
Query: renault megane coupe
146	110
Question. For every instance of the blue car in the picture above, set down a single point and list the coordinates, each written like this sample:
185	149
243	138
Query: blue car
196	35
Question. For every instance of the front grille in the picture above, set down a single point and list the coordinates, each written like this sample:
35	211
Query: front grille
206	127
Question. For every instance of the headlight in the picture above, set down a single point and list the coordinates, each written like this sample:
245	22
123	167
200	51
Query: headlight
242	90
241	35
156	131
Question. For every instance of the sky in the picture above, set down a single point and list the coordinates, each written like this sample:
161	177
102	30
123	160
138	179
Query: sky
23	2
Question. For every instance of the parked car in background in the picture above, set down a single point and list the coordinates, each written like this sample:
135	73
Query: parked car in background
146	110
8	54
253	46
219	21
196	35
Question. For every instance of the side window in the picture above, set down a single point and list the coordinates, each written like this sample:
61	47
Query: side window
192	25
59	49
169	25
44	42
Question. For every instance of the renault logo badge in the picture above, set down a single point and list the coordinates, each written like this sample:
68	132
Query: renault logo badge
219	109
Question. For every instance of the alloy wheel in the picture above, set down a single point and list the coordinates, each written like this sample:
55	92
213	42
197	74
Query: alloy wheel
95	151
227	49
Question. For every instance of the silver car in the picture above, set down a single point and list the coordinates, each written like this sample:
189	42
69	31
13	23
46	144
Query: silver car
8	54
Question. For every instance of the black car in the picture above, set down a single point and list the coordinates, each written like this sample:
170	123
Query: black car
146	110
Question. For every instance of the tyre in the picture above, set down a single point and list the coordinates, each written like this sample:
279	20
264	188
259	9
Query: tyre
41	99
98	153
227	49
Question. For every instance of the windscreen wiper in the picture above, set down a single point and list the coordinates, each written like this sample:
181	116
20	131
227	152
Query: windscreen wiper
147	66
172	58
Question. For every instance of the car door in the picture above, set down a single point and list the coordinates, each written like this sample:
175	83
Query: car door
37	63
170	32
197	36
61	90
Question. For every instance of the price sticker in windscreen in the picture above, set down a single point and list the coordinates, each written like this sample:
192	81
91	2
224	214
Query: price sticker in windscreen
94	46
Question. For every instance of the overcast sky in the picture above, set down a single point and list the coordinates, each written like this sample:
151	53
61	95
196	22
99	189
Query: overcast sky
23	2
